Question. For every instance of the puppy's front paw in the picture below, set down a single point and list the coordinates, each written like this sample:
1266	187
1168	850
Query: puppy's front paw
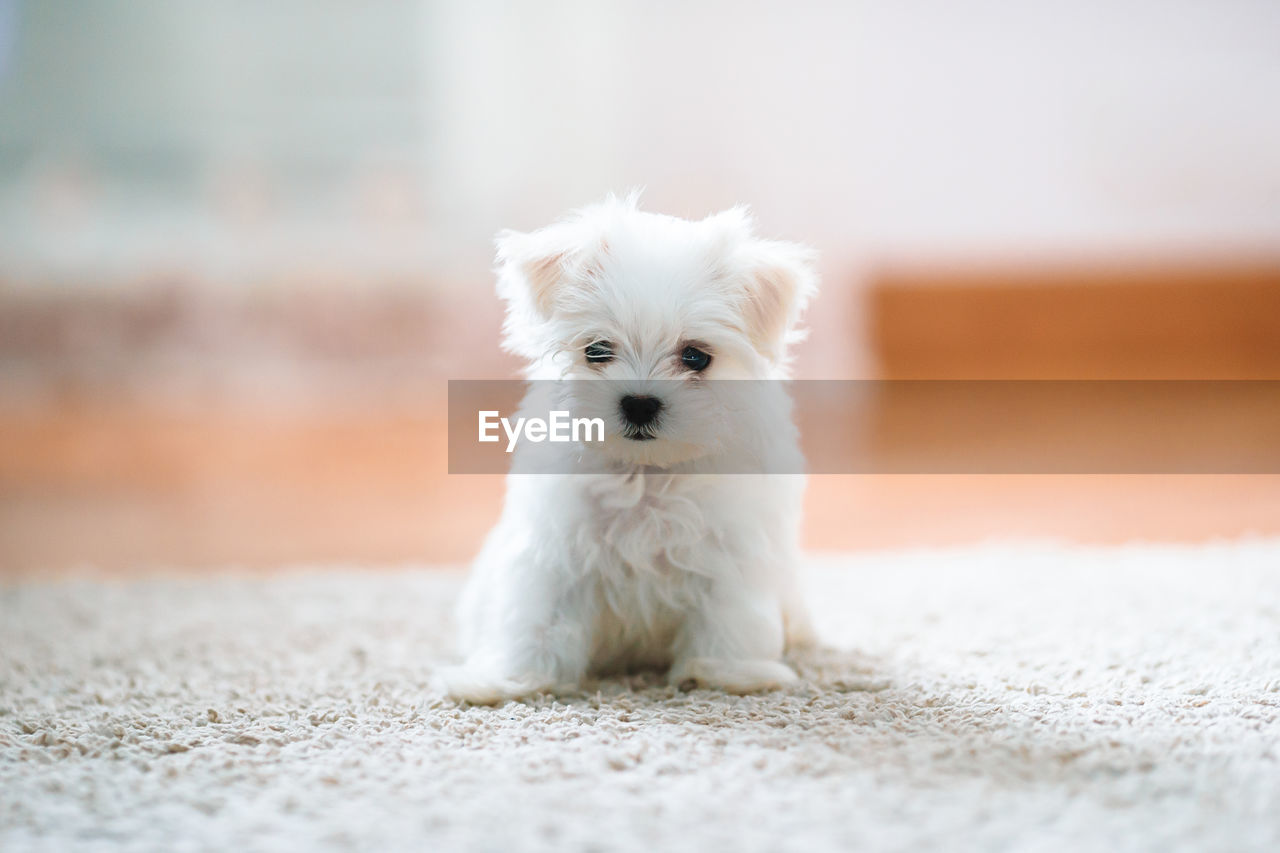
481	687
732	676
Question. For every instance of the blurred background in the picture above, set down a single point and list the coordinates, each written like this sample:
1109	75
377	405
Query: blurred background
244	245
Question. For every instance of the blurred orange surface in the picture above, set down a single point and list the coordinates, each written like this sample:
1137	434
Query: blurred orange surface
124	488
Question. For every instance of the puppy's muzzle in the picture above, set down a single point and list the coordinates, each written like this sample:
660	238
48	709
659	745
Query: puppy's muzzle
640	412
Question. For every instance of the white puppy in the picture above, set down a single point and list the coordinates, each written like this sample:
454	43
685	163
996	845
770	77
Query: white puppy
650	548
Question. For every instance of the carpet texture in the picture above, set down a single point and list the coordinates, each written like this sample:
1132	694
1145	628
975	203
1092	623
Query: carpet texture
1003	697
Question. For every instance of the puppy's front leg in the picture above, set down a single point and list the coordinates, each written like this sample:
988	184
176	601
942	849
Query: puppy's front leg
733	641
534	635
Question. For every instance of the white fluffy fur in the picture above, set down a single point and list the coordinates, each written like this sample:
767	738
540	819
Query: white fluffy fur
649	554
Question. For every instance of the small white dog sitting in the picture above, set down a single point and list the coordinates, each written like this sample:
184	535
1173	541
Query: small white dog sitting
649	548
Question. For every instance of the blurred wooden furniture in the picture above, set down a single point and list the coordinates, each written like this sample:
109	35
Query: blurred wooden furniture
94	478
1195	320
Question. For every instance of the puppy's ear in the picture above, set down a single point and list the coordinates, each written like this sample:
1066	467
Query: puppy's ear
774	280
531	265
780	279
535	270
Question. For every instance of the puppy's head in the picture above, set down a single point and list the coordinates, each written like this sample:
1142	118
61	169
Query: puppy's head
658	305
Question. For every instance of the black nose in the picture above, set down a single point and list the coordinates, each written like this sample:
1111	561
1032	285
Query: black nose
640	410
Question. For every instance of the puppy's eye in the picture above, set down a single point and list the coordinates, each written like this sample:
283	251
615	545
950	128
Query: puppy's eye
695	359
599	352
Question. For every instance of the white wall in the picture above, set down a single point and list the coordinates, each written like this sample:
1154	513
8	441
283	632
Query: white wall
916	131
880	128
245	136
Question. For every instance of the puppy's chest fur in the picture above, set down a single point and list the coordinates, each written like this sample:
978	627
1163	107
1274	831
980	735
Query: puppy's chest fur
644	536
649	525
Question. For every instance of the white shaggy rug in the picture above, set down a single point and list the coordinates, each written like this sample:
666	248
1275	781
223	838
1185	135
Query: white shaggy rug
1027	697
